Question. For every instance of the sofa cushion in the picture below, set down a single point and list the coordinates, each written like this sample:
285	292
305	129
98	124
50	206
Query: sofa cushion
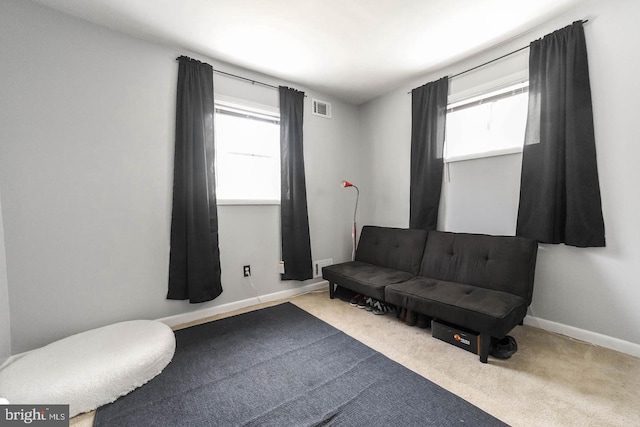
499	263
396	248
479	309
363	278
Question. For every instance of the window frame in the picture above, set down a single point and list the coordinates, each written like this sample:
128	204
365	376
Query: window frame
269	113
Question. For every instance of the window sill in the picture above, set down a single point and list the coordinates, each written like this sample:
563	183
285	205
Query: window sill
247	202
493	153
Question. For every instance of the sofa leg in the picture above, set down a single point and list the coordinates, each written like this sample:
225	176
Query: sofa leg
485	345
331	290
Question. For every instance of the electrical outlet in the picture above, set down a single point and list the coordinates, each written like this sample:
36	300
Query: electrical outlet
317	266
246	270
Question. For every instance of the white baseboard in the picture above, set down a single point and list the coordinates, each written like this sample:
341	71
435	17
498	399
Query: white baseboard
584	335
191	316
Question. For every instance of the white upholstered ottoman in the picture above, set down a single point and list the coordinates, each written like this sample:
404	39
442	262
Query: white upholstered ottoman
90	369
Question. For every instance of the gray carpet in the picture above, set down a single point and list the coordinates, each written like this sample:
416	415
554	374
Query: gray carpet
281	366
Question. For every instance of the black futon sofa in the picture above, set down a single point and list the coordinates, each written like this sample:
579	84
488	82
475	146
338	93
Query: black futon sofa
479	282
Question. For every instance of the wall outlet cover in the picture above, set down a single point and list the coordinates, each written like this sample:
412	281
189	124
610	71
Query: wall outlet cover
317	266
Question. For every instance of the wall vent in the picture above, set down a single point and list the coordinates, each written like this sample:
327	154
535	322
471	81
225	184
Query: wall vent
321	108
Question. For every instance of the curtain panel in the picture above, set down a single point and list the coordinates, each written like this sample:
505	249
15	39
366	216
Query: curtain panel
428	119
194	263
294	219
560	191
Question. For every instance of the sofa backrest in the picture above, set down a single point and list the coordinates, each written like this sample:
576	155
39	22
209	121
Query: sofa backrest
397	248
501	263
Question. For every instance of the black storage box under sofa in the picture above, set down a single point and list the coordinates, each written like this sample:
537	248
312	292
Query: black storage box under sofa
479	282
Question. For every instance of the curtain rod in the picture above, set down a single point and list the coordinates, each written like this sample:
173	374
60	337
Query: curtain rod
253	82
489	62
235	76
584	21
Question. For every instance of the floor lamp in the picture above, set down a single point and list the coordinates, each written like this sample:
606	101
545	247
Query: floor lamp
346	184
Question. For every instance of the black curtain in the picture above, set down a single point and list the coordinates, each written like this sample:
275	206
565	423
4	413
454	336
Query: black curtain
294	219
560	191
428	118
194	266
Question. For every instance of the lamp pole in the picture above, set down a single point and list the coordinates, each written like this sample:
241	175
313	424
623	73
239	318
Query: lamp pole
346	184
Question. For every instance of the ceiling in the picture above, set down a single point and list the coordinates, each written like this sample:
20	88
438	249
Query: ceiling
355	50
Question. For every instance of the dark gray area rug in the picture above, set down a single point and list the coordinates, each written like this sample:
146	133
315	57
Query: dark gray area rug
281	366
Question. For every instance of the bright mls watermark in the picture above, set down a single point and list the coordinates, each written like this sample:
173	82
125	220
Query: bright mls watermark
34	415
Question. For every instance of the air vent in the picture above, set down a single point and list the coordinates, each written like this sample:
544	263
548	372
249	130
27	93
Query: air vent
321	108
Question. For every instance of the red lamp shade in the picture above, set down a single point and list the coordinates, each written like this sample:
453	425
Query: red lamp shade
346	184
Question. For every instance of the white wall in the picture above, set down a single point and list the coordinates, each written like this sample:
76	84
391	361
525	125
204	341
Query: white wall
481	196
5	321
386	130
594	290
86	167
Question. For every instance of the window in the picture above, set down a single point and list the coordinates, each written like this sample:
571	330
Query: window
487	125
247	155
